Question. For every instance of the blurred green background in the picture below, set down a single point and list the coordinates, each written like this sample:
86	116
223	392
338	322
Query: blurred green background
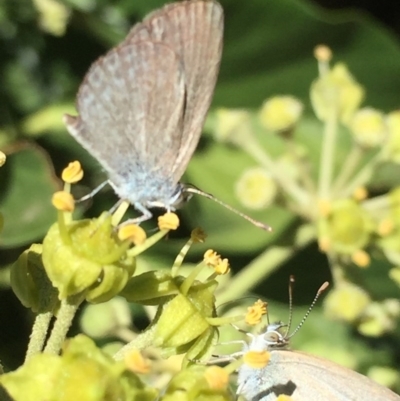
45	50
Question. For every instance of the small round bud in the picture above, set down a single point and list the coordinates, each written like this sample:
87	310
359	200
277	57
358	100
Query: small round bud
323	53
256	189
280	113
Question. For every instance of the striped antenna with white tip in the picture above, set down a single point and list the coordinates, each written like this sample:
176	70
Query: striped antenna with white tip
321	289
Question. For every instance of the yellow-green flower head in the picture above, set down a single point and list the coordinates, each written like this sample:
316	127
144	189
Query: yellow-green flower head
256	189
232	125
368	127
87	257
393	142
337	93
185	320
53	16
384	375
280	113
389	228
3	158
83	373
346	302
197	383
30	283
348	227
394	274
379	318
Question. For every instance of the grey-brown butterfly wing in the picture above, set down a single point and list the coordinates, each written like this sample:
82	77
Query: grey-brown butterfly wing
305	377
130	107
194	29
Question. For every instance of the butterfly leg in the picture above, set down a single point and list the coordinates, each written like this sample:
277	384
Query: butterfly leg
146	215
92	193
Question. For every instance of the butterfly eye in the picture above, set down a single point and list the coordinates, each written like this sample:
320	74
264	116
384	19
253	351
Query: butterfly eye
272	337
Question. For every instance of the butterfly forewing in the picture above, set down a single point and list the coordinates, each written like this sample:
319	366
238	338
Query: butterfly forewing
194	29
133	93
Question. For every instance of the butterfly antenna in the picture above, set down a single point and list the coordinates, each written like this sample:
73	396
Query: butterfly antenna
194	190
291	285
321	289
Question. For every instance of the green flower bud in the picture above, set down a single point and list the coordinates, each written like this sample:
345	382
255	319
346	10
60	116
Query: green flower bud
338	92
346	302
369	128
83	372
280	113
53	16
394	274
185	321
348	227
379	318
185	317
233	126
393	142
151	288
191	384
30	283
384	375
256	189
390	240
87	256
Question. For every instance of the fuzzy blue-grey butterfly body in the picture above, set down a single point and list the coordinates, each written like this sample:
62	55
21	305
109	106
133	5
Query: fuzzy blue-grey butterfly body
301	376
142	106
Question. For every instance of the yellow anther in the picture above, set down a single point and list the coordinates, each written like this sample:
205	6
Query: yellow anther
385	227
323	53
324	244
255	312
360	193
136	363
211	258
361	258
222	267
217	378
198	235
168	221
72	173
63	201
132	232
324	207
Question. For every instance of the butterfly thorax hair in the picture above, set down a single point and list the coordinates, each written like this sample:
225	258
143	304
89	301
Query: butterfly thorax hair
160	197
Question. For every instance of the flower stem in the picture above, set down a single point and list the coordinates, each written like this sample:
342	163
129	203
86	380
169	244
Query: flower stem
142	341
289	185
349	167
363	176
327	156
65	316
38	336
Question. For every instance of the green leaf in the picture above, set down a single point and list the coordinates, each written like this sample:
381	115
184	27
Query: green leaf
27	185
